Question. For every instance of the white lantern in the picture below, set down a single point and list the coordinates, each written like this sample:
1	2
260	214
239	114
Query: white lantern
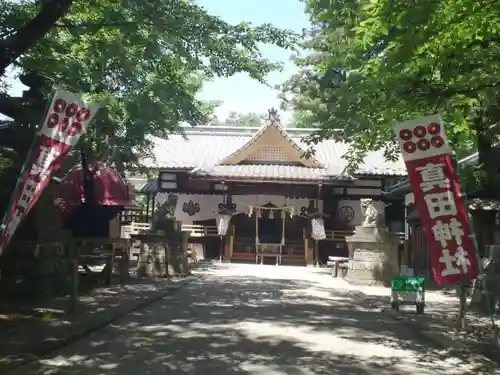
318	228
222	220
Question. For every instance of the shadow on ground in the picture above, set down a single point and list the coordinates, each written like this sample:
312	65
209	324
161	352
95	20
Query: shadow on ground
254	325
30	328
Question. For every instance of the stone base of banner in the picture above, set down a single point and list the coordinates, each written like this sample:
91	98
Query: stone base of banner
373	258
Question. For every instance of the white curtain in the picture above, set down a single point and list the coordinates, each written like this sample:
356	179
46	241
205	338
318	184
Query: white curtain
318	229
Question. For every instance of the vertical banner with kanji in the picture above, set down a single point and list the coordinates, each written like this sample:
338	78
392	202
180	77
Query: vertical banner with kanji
441	207
64	123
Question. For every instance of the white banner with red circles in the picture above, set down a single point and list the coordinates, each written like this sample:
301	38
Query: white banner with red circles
68	116
65	122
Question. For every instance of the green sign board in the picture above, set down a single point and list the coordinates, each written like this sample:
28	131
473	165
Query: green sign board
407	284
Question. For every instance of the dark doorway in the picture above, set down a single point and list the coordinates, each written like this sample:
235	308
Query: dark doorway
270	225
244	238
211	245
244	226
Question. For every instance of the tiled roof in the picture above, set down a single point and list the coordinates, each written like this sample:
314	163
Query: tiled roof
205	147
268	172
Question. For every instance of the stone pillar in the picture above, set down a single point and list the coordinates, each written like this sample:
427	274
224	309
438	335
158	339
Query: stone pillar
373	257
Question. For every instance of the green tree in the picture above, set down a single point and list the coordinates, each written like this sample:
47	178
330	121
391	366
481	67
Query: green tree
250	119
302	119
375	62
19	33
144	60
372	63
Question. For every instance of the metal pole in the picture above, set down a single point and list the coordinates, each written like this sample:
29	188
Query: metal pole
221	248
316	262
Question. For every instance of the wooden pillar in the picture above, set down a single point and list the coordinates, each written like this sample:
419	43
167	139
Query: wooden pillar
231	242
124	261
316	253
330	208
73	253
283	227
221	247
168	252
184	251
227	244
257	240
306	245
110	263
148	201
152	205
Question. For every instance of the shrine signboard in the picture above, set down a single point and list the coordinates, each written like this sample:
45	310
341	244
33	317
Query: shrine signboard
441	207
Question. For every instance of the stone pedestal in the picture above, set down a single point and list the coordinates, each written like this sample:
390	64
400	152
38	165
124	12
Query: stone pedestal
373	257
162	255
153	255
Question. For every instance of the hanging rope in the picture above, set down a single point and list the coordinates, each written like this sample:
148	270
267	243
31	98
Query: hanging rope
257	207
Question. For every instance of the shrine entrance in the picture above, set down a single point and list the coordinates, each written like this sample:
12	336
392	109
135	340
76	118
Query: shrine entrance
270	234
210	245
270	225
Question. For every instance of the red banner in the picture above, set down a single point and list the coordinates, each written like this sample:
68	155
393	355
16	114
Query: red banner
438	198
65	122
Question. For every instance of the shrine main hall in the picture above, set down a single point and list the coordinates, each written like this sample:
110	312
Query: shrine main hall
245	192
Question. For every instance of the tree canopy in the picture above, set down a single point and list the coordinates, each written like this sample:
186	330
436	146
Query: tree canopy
375	62
249	119
144	60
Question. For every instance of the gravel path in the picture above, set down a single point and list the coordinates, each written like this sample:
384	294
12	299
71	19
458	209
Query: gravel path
261	320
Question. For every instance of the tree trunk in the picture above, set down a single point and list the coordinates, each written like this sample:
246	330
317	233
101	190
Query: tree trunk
27	36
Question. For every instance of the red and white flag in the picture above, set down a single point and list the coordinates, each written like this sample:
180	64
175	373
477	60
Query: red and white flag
441	207
65	122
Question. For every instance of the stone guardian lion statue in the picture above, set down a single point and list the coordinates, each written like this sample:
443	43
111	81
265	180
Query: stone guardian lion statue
373	217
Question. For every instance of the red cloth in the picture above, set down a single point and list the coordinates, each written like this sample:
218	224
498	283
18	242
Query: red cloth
110	188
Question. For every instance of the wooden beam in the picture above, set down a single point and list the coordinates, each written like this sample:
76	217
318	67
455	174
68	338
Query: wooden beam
308	191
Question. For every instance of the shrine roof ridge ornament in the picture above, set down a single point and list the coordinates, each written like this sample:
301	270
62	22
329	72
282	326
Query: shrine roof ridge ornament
273	115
